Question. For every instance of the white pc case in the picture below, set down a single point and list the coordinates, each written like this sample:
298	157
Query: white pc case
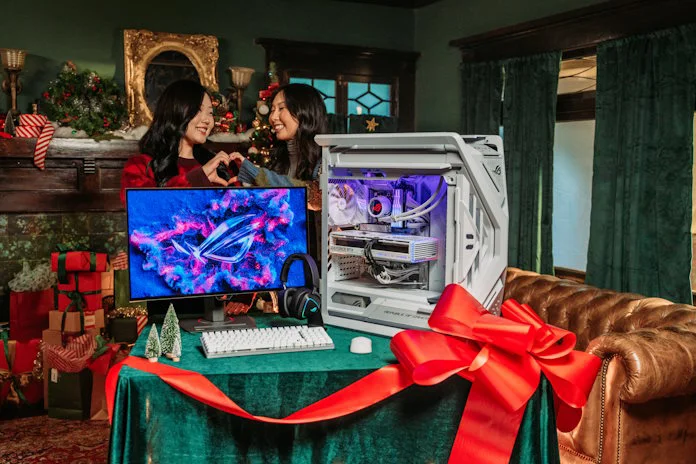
404	215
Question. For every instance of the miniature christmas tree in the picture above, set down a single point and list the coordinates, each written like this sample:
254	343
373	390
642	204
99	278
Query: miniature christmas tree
152	347
170	335
176	349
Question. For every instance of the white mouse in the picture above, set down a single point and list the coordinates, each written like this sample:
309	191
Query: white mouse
361	345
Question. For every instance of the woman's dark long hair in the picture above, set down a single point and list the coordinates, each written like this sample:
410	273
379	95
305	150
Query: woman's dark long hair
305	103
176	107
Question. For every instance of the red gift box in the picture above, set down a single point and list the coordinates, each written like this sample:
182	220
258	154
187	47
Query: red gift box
79	261
17	383
29	313
82	291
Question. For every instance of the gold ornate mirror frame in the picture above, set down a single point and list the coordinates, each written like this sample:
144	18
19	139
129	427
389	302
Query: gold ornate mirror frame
141	46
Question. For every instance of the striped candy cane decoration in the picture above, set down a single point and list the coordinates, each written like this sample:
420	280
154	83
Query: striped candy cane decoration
42	146
46	131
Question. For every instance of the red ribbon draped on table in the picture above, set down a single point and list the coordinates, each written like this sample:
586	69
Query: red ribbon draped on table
503	357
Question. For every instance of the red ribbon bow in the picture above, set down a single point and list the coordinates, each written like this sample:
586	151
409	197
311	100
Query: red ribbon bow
264	94
503	357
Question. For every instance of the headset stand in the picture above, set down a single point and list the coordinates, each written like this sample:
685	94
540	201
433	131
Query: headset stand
314	319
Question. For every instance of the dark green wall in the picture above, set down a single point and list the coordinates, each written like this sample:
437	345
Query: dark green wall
438	94
91	34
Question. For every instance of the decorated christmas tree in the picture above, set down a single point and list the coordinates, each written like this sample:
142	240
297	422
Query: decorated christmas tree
152	347
262	138
226	120
84	101
170	334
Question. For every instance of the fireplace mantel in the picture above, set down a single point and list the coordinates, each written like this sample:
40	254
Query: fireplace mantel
81	175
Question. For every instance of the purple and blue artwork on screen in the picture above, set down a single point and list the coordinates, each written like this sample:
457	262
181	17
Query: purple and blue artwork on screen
213	241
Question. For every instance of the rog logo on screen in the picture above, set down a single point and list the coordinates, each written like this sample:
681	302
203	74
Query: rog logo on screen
227	236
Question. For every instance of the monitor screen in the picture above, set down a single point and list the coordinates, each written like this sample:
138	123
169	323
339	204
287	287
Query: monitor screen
213	241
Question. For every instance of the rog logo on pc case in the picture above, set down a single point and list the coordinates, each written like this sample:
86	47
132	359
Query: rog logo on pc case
224	237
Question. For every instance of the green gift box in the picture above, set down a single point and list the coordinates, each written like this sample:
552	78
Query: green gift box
123	329
70	395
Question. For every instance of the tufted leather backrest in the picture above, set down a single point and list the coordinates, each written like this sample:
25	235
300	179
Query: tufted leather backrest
590	312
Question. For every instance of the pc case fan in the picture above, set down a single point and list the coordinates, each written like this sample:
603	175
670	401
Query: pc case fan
347	204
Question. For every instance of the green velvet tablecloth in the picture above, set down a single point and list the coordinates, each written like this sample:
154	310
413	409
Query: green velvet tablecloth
153	423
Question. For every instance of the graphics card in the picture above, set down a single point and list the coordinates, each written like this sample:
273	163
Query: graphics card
388	247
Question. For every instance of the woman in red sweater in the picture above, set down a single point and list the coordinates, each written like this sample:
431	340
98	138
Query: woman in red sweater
172	154
171	151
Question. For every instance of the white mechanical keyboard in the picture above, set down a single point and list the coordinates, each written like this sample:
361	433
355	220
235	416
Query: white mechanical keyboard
245	342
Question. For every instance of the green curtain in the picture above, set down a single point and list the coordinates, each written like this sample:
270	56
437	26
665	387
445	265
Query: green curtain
358	124
641	188
482	86
529	119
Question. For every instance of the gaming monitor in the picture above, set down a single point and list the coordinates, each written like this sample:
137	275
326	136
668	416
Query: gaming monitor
206	242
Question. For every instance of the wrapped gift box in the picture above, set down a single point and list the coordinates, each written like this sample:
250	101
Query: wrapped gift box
87	284
18	364
76	375
29	313
79	261
126	329
55	337
107	283
124	324
79	271
123	330
92	320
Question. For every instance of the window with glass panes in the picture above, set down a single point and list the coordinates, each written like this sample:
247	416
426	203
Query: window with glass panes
369	98
356	97
326	87
353	80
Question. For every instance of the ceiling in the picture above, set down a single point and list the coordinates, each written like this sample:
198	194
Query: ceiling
412	4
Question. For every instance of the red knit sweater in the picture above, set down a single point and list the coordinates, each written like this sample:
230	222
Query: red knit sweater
138	173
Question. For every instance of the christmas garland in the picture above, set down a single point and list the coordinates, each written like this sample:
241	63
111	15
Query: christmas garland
84	101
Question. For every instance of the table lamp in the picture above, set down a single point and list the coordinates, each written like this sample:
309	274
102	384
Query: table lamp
240	80
13	63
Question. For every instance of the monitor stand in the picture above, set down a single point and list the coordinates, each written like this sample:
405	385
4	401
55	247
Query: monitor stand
214	319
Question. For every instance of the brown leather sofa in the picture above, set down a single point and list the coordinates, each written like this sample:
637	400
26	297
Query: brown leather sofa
642	408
